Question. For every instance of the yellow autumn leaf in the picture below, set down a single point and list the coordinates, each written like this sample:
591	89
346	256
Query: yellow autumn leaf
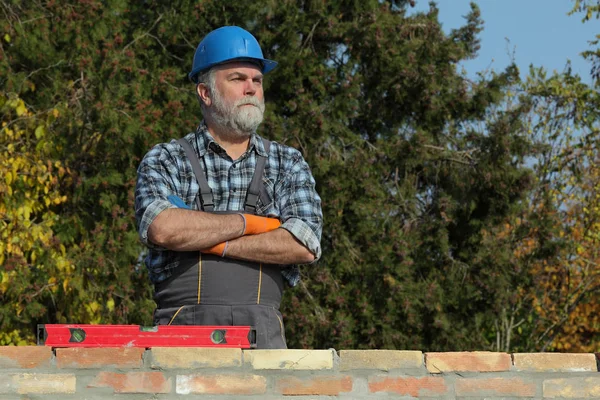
20	108
27	212
40	132
94	306
110	304
62	264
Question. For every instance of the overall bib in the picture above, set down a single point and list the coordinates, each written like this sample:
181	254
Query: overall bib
209	290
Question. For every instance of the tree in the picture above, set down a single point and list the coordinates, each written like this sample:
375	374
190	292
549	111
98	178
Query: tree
556	238
564	219
408	181
30	253
590	9
415	163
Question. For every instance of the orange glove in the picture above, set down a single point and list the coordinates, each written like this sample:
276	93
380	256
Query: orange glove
217	249
254	224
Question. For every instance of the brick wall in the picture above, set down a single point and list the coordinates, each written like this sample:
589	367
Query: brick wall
169	373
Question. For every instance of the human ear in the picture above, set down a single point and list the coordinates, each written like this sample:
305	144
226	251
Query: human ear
204	94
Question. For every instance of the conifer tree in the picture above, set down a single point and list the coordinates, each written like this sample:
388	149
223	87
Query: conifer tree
415	163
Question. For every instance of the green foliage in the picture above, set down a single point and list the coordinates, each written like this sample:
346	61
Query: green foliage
419	168
30	255
590	10
44	276
560	244
407	177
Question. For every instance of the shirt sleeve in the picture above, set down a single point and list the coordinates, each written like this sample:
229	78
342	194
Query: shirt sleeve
300	206
155	181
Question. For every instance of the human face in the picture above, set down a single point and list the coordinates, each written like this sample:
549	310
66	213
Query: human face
237	97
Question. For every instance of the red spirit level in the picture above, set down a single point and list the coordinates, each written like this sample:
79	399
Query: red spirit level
61	335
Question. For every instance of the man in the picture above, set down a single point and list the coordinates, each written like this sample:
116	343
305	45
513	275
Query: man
254	210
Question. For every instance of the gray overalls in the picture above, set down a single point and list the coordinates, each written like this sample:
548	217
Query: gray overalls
209	290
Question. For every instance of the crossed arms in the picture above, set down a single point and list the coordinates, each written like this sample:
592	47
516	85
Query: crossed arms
165	172
187	230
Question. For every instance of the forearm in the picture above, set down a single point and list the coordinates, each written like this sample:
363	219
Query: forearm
276	247
186	230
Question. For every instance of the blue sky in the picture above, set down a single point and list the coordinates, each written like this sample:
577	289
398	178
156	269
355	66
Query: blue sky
539	32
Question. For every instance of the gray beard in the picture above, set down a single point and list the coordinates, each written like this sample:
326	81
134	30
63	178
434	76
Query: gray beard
240	121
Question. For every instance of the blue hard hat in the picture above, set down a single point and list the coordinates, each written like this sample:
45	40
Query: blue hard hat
224	44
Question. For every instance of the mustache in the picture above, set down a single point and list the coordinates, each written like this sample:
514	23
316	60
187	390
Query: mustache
253	101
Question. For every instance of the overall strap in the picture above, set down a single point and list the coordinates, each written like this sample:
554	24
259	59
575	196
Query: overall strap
205	200
255	185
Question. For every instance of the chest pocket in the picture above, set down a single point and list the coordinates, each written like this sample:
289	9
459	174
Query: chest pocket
266	198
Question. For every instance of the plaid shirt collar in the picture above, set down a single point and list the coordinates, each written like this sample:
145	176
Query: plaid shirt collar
205	141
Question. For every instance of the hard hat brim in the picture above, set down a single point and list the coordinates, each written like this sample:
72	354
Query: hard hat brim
266	66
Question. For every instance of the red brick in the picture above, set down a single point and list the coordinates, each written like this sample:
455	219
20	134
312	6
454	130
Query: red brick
133	382
514	387
221	384
409	386
478	361
322	385
99	357
25	356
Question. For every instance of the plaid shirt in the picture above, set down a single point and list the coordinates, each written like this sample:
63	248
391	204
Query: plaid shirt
289	184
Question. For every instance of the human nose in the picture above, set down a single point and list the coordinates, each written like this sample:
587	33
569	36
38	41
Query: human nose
249	88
